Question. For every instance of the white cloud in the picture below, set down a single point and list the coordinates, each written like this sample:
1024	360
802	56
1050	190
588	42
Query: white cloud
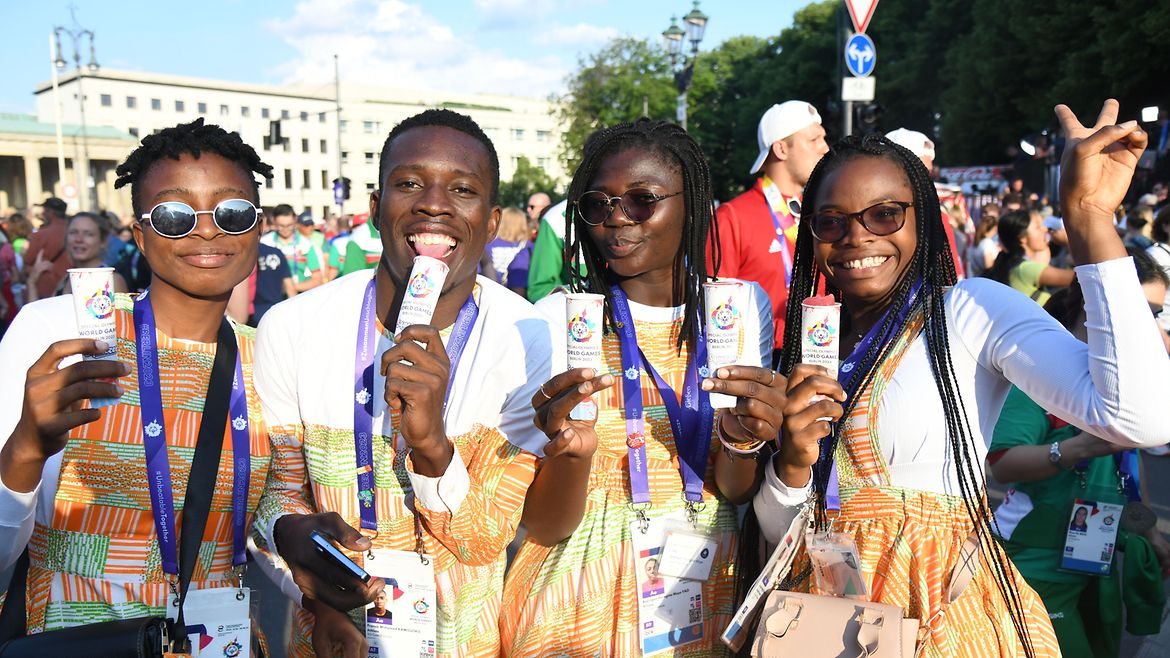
399	44
580	35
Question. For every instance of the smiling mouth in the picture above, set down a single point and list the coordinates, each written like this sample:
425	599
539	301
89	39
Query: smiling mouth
433	245
863	263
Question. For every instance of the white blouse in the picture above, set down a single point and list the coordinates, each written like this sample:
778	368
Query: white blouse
1113	387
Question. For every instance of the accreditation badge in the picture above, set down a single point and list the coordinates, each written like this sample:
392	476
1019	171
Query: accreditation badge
1091	537
670	609
217	619
401	620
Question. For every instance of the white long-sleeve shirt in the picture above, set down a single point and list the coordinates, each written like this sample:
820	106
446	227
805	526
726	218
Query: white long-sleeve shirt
1113	387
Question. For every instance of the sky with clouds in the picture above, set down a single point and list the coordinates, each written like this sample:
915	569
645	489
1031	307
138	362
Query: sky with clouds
519	47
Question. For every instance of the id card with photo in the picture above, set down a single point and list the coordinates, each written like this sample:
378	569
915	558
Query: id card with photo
1091	537
670	609
217	621
836	567
401	620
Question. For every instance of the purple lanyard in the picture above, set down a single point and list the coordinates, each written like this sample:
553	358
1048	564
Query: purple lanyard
780	228
154	440
363	407
690	423
849	378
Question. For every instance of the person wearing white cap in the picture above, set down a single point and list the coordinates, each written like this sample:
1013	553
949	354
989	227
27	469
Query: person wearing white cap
757	229
949	196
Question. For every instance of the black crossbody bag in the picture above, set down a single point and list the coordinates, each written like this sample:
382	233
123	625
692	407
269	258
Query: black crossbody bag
141	637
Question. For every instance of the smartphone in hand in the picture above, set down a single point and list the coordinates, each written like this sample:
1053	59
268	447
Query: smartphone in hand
325	548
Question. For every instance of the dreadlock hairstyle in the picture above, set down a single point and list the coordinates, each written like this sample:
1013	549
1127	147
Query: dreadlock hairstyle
444	119
193	138
588	270
1012	228
933	266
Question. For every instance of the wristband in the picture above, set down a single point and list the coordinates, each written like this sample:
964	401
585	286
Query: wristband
741	449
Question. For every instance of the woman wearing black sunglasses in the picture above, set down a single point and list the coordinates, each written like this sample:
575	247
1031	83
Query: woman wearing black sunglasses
93	492
641	208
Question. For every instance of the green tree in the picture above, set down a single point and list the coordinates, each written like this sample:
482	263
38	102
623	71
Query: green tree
611	86
528	180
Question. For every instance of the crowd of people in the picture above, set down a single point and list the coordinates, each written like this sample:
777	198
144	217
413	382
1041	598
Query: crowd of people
640	507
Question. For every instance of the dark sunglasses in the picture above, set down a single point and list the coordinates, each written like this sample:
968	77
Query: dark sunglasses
880	219
638	205
175	219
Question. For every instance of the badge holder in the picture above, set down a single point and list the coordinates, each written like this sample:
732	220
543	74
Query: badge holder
688	552
670	609
1091	537
218	619
401	621
835	565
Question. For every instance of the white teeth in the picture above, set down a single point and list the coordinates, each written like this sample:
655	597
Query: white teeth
432	238
869	261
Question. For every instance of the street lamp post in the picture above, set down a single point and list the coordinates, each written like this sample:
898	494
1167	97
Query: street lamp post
76	36
684	67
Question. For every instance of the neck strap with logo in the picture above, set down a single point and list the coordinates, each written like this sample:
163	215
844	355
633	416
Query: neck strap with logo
154	440
690	422
850	377
789	213
363	407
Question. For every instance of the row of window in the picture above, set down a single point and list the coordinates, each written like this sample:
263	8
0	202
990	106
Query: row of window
375	128
306	180
107	100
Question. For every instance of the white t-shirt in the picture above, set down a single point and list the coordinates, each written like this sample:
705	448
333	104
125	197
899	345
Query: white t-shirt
1113	387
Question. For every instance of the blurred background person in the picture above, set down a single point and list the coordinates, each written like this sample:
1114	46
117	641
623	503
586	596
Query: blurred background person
985	245
511	238
85	243
48	244
1023	262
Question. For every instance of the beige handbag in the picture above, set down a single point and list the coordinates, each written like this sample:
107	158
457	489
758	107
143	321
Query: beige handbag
816	626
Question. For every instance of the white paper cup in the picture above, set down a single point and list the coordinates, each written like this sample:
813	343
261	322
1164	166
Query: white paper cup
93	306
820	335
820	338
723	326
422	292
584	313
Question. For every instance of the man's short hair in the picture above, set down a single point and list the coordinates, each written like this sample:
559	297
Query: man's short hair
283	210
445	119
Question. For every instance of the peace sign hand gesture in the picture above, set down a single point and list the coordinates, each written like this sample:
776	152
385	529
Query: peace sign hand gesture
1096	171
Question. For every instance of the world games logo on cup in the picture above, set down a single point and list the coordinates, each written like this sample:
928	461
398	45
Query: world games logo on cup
581	327
724	315
821	333
100	304
421	285
723	301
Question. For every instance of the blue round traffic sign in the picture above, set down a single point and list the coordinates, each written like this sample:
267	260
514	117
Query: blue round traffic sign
860	55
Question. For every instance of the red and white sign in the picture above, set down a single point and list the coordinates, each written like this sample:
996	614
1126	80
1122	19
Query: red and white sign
861	11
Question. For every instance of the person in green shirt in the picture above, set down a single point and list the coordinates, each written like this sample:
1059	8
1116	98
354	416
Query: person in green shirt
1025	240
1050	464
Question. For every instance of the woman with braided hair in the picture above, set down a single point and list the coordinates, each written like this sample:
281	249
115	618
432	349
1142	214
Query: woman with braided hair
935	363
641	209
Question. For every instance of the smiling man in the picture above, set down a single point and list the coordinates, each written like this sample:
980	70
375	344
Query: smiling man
435	463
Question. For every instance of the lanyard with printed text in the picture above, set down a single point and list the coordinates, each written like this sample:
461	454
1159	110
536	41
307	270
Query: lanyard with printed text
774	199
850	379
363	401
154	440
691	422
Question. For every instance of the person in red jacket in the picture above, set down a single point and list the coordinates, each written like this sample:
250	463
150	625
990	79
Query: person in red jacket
757	229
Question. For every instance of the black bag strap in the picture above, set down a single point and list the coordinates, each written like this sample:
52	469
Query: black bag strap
196	503
204	469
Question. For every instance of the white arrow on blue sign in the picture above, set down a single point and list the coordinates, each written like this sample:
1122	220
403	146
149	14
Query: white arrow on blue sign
860	55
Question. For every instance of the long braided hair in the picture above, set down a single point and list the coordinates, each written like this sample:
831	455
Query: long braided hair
933	266
588	270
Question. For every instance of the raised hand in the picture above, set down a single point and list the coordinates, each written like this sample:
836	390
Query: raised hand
552	404
1095	173
759	409
53	406
416	386
813	397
